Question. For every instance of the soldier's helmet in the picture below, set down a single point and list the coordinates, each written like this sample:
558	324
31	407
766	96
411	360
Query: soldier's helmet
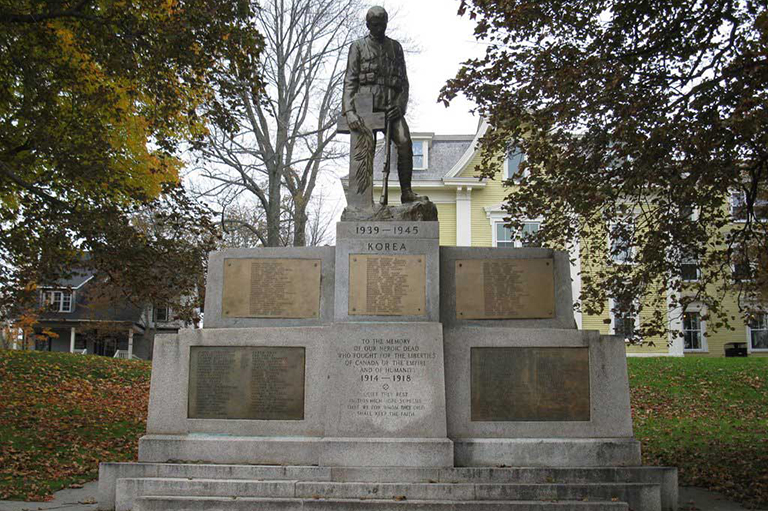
376	12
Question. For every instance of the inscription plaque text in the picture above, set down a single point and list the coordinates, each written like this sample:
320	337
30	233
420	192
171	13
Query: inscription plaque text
387	373
271	288
385	285
246	382
530	384
505	289
386	383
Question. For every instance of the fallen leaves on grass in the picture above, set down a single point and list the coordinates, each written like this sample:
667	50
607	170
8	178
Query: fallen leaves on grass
62	414
708	417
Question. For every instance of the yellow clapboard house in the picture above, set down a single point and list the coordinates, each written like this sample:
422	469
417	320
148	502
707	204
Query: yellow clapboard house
471	214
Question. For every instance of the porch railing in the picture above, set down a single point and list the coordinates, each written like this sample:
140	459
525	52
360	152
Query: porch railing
124	355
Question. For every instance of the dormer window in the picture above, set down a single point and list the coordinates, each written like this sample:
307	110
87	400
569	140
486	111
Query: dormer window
420	154
57	301
512	165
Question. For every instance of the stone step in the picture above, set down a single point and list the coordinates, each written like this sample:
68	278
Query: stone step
505	474
186	503
109	473
385	474
666	477
639	496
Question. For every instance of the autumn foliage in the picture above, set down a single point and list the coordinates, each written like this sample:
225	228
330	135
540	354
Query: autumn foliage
98	99
61	414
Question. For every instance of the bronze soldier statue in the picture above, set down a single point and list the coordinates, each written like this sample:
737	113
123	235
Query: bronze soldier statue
376	66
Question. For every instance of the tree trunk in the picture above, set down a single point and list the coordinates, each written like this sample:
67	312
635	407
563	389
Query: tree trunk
300	225
273	214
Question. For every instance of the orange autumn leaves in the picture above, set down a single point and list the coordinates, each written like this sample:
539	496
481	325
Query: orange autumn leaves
62	414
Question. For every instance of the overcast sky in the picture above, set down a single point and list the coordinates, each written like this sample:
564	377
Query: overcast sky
445	41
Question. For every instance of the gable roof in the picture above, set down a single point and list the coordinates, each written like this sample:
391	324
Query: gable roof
462	162
74	281
443	152
448	156
88	306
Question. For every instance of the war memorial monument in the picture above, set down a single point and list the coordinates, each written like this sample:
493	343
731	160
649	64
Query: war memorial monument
387	372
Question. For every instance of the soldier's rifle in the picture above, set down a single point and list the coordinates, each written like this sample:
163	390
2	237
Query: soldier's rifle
384	200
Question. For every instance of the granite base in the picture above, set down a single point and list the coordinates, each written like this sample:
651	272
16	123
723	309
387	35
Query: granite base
547	452
386	452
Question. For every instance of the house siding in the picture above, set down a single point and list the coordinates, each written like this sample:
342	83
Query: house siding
446	214
716	341
656	345
469	170
596	322
492	195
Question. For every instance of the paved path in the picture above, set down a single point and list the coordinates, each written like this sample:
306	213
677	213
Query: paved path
80	499
695	499
84	499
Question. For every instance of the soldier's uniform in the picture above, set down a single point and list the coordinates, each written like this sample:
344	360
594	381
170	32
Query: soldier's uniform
378	68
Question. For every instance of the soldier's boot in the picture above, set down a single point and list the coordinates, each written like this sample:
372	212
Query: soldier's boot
404	173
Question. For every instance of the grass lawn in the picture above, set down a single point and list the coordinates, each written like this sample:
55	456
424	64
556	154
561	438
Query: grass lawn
61	414
709	418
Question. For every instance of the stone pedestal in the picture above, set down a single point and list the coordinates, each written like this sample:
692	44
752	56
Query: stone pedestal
388	372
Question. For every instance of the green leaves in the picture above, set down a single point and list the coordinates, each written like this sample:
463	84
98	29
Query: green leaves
630	108
95	100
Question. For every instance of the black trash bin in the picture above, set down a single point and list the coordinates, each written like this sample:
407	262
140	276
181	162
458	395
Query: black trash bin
736	349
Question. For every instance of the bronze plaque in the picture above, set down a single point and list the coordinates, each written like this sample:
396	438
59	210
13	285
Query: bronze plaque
246	382
505	289
271	288
384	285
530	384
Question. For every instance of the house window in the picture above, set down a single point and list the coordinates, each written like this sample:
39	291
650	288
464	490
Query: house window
529	230
693	333
758	332
57	301
161	314
620	242
743	268
420	154
738	206
689	270
624	319
505	237
512	165
690	213
737	202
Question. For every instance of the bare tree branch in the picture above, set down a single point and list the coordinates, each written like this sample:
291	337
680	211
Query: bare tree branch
286	135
